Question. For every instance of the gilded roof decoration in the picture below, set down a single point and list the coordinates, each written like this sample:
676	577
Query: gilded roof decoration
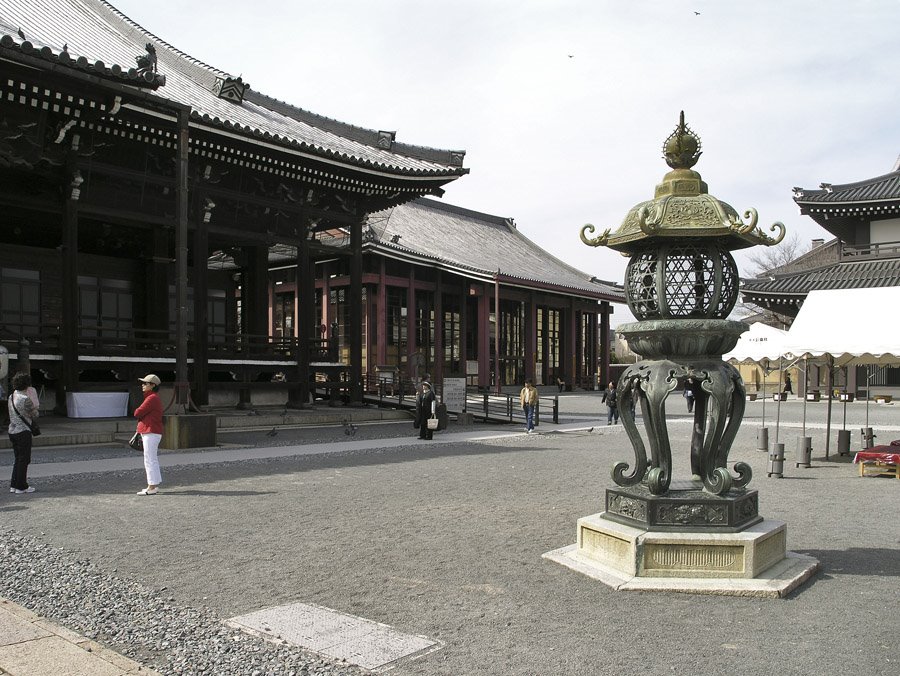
682	207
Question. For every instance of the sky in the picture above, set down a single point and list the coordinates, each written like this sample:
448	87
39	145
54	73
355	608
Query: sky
562	106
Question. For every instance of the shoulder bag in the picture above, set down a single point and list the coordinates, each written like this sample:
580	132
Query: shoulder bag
32	426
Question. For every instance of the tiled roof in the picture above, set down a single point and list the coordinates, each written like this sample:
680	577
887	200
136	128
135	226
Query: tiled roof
877	189
478	245
102	41
844	275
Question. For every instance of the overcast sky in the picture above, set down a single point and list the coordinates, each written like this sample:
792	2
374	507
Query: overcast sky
562	106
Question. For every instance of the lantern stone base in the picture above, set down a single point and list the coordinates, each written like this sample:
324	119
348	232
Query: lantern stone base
751	562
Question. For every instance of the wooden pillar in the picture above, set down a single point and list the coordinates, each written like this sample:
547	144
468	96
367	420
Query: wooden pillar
571	343
484	337
530	337
356	313
255	292
463	329
325	315
200	390
381	331
411	323
298	396
605	312
182	385
68	380
438	338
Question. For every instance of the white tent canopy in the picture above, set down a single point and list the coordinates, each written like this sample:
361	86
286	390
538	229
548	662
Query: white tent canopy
761	342
854	326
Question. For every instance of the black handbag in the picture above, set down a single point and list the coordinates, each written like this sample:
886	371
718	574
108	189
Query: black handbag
137	442
33	426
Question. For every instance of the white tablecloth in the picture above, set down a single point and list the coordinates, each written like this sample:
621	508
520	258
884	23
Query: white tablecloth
97	404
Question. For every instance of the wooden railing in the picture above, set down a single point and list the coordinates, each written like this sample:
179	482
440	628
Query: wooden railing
878	250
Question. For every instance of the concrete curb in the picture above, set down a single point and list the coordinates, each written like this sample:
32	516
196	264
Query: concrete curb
31	644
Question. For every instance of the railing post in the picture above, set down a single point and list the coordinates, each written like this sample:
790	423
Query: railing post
485	406
537	413
556	410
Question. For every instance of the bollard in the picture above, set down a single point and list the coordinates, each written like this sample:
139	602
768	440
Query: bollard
843	442
804	451
776	461
762	439
867	437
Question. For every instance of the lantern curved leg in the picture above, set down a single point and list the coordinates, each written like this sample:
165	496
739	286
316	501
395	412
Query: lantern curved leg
663	379
629	383
738	404
726	406
700	405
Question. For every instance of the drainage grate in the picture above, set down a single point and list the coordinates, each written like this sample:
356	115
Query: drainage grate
362	642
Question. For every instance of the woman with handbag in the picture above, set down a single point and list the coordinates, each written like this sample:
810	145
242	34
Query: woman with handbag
150	427
426	409
23	413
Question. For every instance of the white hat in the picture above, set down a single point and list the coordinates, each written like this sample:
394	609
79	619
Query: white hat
152	379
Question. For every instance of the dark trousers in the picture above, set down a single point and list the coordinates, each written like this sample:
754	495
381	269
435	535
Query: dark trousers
424	432
21	444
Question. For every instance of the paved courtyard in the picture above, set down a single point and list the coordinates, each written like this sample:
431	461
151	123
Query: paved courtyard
443	540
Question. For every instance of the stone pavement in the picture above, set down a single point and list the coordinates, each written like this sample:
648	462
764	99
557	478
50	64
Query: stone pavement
30	645
443	539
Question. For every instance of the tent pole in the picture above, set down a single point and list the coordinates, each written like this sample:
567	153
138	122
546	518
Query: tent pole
805	390
868	388
780	392
829	366
764	391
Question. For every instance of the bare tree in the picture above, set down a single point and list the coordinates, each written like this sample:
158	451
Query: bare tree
767	260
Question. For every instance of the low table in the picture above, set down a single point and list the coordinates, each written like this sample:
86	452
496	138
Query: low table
874	461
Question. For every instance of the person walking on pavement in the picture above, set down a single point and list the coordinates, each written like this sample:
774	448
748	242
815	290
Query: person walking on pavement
529	398
788	387
426	407
150	427
689	394
610	397
23	411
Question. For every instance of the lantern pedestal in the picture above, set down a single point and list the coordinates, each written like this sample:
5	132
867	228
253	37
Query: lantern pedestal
751	562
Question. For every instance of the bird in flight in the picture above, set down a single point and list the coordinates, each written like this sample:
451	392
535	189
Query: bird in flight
697	13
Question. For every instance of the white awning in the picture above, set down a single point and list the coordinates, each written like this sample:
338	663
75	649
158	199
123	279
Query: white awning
854	326
762	342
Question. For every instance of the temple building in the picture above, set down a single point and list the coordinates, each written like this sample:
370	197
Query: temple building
159	214
864	218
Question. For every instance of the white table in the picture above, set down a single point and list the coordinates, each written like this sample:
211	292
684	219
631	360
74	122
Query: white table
97	404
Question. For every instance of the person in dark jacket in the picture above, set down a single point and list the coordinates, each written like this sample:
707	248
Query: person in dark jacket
426	407
150	427
788	387
611	398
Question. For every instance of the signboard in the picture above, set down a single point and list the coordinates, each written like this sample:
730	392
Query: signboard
455	394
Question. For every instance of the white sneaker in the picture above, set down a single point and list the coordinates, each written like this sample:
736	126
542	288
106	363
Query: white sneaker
12	490
148	491
30	489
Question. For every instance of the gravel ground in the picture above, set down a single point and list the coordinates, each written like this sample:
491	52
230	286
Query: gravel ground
445	540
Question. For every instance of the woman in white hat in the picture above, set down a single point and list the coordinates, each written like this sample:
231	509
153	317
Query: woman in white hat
150	427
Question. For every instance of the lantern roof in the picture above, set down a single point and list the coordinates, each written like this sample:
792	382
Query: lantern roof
682	207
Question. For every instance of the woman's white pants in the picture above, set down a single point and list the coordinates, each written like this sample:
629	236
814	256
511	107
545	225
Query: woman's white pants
151	461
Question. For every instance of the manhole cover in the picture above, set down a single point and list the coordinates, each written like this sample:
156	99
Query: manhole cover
362	642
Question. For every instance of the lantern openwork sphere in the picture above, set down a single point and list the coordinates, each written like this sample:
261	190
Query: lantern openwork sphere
690	279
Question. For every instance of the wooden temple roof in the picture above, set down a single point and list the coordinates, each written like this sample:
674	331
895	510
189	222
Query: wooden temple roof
478	246
884	188
93	37
841	209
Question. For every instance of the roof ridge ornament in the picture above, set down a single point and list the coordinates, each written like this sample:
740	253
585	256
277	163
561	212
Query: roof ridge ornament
231	89
682	148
